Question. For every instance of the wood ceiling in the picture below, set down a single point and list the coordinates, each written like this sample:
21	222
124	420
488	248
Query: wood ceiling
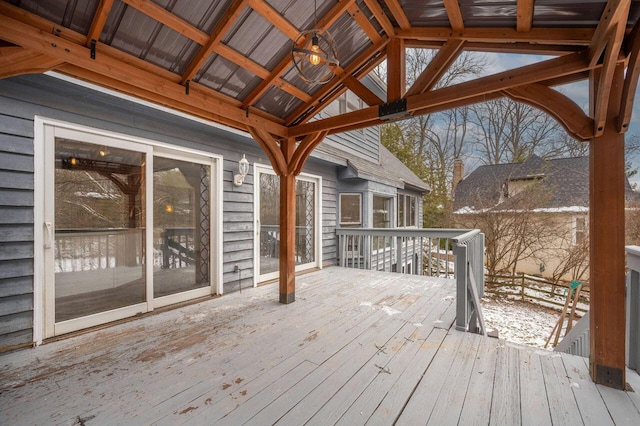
34	43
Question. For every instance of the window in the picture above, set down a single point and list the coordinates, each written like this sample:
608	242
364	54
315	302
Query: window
579	230
381	211
342	103
407	210
350	209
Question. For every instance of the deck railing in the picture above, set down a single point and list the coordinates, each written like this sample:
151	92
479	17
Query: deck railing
633	308
577	340
444	253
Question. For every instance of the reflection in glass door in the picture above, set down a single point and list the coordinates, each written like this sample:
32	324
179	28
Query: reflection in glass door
99	243
307	216
181	232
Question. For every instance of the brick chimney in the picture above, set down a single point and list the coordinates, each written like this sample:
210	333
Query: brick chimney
458	174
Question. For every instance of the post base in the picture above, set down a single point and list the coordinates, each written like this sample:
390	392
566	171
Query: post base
287	298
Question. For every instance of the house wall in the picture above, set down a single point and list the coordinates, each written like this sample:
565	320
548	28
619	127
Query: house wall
550	253
363	143
23	98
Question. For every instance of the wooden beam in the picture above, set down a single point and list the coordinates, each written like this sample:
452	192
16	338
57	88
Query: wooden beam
99	19
363	22
557	105
455	15
321	98
525	16
396	70
606	241
168	19
605	80
304	150
630	79
326	21
380	16
191	109
41	23
553	68
398	14
271	147
55	47
16	60
558	36
232	13
275	18
287	272
437	67
614	12
361	91
506	47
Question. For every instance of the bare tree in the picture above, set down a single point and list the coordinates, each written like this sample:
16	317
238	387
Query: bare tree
515	230
506	131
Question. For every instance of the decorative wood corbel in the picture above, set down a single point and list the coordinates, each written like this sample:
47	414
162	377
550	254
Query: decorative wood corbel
559	106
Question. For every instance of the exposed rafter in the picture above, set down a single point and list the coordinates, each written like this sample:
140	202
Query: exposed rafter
111	69
525	15
454	14
234	10
285	63
380	16
437	67
398	14
277	20
369	59
99	19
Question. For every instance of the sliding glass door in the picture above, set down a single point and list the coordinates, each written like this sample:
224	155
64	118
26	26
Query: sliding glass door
128	227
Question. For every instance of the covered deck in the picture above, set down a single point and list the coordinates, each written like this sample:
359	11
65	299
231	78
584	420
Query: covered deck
357	347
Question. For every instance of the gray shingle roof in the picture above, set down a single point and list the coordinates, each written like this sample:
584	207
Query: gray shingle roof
566	179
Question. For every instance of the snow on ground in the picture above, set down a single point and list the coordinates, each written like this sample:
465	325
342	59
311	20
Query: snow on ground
518	322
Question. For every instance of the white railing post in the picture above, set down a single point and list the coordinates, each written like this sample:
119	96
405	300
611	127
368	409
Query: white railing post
461	276
633	308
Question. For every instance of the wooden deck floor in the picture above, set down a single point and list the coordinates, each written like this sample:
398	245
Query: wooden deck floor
356	347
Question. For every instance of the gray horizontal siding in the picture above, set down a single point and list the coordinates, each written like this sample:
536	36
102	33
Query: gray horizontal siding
23	98
16	229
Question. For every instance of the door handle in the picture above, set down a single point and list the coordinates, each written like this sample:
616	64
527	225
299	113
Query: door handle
48	234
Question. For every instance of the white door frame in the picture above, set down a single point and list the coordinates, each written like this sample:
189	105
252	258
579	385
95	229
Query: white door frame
45	132
317	180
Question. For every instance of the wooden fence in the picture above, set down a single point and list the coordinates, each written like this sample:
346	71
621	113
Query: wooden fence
535	289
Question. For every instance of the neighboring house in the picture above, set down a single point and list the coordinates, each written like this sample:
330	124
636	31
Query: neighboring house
539	208
83	242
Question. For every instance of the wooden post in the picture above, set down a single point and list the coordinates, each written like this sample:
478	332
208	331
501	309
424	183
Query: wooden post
287	238
606	241
288	227
396	73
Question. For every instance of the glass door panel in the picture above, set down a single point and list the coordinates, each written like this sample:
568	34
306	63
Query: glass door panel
269	223
305	222
181	232
99	229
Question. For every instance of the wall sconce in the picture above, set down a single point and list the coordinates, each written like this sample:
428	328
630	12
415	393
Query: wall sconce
243	170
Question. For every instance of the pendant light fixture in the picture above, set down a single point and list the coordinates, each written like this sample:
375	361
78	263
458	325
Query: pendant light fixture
314	54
